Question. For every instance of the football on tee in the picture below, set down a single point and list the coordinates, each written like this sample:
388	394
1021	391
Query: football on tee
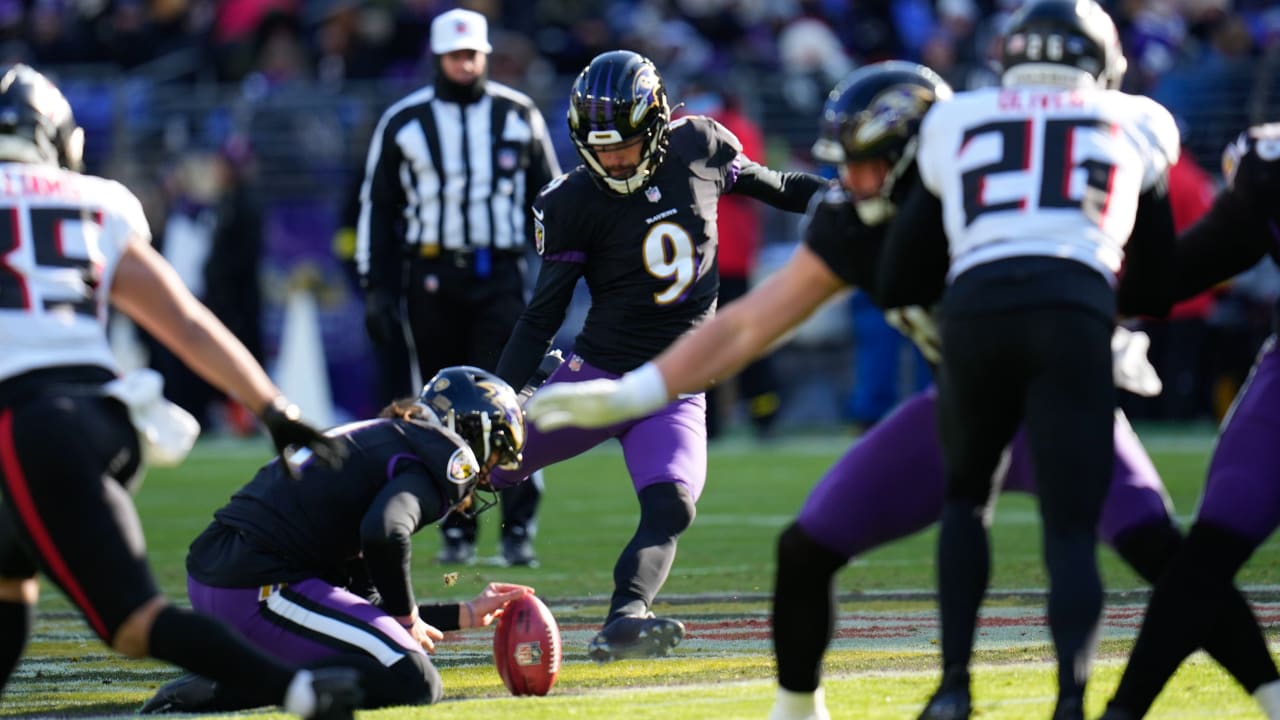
526	647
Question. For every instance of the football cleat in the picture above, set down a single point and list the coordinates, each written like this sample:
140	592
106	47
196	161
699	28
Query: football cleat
636	636
951	701
187	694
457	552
519	551
337	693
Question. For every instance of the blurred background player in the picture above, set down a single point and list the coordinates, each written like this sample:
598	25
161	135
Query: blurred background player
637	221
315	570
72	245
1045	186
891	483
444	224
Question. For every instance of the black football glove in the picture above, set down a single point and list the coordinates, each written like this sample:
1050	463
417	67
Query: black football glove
550	363
283	421
382	317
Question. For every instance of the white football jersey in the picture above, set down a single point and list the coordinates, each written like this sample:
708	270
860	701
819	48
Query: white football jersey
1043	171
61	238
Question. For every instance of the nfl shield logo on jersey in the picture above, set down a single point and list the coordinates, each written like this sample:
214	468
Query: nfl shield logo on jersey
653	194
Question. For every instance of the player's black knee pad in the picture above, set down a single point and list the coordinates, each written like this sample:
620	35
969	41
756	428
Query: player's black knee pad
797	551
1149	548
417	682
666	509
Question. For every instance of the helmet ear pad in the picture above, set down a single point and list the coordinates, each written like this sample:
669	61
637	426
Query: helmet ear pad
617	98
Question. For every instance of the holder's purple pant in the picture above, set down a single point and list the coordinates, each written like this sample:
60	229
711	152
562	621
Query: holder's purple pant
669	446
891	483
306	621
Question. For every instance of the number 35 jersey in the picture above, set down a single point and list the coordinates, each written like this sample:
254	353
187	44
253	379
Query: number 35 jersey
61	237
1044	171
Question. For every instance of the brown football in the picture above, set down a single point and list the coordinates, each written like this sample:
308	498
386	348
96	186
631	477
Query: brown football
526	647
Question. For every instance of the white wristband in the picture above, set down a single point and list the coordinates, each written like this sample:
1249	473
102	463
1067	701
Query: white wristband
642	390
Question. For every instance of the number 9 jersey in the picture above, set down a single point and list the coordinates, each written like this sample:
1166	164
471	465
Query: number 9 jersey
61	237
1044	171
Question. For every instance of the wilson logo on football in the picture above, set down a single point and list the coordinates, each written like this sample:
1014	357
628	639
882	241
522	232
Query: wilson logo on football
528	653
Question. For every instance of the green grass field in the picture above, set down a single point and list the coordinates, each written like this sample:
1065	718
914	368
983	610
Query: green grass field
883	663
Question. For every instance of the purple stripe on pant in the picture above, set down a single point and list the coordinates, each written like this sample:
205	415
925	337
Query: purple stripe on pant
351	620
891	483
667	446
1242	492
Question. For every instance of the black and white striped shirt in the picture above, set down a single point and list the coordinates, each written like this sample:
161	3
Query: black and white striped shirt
458	177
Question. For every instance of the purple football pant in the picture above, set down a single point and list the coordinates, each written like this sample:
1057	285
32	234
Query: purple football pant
891	483
1242	492
669	446
306	621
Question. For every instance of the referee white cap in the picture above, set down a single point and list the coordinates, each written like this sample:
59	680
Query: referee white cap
460	30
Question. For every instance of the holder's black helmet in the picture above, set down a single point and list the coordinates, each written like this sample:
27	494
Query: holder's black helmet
480	407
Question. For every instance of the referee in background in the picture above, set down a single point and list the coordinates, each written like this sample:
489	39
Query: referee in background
445	218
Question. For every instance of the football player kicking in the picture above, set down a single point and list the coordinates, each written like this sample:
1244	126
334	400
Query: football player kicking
1240	506
637	220
890	483
70	244
315	569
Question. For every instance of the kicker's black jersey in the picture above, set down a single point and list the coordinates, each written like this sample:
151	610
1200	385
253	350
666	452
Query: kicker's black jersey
396	479
649	258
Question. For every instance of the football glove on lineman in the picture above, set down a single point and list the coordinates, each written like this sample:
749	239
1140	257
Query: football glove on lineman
283	420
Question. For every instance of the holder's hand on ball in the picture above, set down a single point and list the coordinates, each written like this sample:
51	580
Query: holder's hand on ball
489	604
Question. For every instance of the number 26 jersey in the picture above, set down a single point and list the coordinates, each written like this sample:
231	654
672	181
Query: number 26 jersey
1044	171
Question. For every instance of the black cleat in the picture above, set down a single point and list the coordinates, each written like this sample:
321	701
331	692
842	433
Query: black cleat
519	551
636	636
951	701
187	694
1071	708
457	552
338	694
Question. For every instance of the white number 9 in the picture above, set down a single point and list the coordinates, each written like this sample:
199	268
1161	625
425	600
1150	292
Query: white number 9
668	254
1268	149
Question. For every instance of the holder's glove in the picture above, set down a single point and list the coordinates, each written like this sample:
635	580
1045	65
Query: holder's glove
382	317
283	420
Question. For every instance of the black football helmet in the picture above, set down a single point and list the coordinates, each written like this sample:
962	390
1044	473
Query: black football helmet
875	112
480	407
620	98
1064	43
36	123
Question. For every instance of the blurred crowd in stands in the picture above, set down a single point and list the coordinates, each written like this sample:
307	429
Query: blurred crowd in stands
261	110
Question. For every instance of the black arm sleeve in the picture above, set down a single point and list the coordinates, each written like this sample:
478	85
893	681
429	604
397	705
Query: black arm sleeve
394	516
441	616
788	191
1228	240
1146	285
539	321
916	256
